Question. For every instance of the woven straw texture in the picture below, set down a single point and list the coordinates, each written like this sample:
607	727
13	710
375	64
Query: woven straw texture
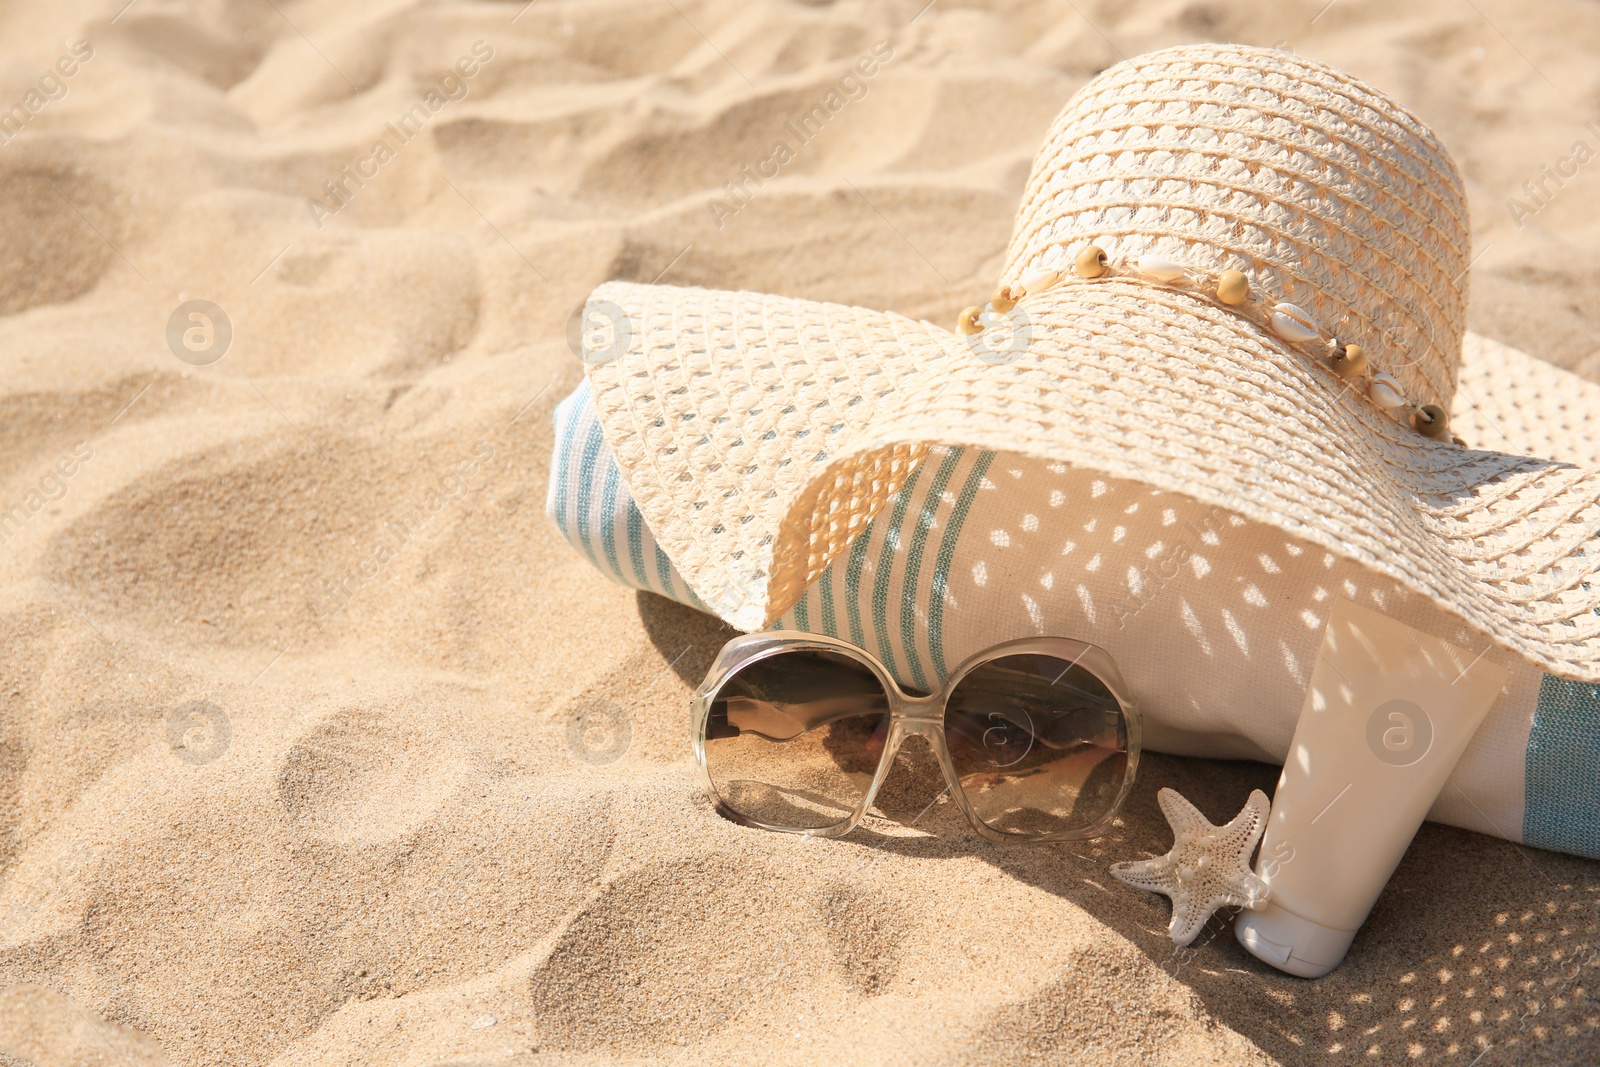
1326	192
759	434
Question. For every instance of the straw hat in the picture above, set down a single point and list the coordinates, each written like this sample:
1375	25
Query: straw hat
759	434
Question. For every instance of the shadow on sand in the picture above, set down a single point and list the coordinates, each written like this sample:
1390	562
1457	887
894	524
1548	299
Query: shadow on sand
1479	951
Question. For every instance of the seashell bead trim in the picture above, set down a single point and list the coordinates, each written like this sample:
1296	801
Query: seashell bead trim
1233	290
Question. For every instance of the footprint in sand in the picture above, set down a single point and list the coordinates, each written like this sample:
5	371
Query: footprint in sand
365	775
1066	1019
669	954
206	52
153	551
865	933
39	1025
49	250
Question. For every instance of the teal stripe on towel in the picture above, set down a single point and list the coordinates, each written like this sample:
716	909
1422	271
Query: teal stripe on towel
1562	794
919	542
941	564
664	572
830	624
563	466
586	480
802	613
608	519
892	540
852	584
636	545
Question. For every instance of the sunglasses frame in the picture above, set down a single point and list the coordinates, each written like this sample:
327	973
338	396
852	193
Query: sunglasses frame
912	715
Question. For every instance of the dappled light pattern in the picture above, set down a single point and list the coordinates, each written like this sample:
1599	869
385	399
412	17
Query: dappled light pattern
1477	953
1215	621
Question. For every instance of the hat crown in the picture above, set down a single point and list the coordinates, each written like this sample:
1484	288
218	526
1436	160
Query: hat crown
1327	193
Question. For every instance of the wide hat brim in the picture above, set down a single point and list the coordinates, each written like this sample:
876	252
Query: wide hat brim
758	434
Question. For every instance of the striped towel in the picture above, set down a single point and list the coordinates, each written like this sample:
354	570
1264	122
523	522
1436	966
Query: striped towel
590	505
1214	621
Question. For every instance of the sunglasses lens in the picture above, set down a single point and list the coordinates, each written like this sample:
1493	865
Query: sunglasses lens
793	740
1039	743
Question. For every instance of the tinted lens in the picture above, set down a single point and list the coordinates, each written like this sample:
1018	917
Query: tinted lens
1040	744
793	740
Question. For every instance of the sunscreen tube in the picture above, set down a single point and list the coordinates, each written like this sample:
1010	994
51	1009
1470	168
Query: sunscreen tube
1388	714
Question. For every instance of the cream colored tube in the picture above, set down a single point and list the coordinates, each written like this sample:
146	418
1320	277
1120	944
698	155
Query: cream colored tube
1389	711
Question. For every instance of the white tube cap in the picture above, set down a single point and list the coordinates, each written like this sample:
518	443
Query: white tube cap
1299	946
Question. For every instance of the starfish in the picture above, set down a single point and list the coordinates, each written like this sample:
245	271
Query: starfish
1208	866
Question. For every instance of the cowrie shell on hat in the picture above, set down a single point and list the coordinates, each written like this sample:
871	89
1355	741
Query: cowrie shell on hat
1292	323
1037	281
1385	392
1160	268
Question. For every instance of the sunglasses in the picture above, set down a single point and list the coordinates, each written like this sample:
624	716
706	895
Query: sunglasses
1037	738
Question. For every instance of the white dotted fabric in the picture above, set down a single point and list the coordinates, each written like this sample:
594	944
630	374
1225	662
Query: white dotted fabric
758	434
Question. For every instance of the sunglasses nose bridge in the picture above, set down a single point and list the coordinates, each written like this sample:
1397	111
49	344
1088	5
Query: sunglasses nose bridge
932	729
920	715
926	719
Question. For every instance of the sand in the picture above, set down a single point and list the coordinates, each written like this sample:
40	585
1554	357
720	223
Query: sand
268	798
